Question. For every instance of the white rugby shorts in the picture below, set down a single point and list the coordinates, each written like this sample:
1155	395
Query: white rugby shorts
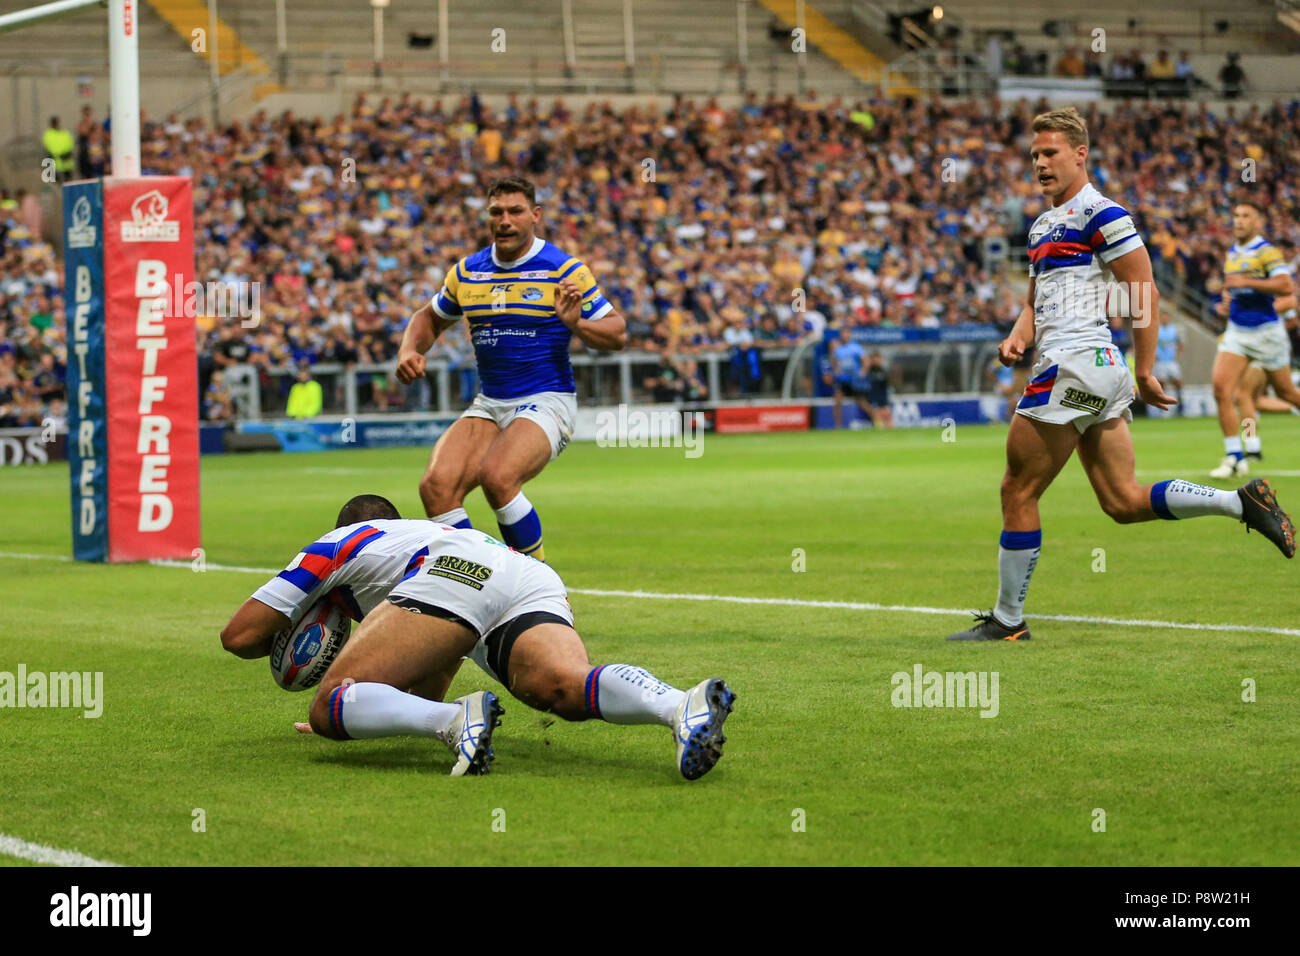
554	412
1078	387
1168	372
475	578
1265	344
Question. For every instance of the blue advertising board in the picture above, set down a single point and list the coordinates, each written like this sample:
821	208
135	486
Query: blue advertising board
83	244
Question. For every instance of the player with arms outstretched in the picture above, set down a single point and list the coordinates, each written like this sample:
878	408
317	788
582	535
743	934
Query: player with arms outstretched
524	300
1081	389
427	595
1255	278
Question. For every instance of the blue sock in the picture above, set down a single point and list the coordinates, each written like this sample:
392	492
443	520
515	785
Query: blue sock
520	527
456	517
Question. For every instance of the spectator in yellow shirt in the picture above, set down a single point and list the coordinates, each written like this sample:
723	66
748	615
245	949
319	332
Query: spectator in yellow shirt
1071	64
59	146
305	399
490	140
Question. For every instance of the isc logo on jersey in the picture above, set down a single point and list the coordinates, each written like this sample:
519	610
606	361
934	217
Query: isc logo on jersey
300	655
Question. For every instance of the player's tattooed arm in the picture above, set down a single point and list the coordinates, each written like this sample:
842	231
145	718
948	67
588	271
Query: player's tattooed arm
606	334
421	332
1021	338
1279	284
252	629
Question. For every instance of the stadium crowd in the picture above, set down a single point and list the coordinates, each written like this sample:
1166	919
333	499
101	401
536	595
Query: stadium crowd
710	229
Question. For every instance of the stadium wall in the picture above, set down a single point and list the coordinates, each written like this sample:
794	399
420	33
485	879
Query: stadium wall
34	98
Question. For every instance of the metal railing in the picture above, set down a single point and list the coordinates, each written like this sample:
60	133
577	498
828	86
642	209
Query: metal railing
601	379
782	373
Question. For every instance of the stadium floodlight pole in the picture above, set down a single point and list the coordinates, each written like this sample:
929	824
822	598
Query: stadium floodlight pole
444	41
629	46
629	35
570	45
124	84
803	47
742	40
281	43
214	65
379	7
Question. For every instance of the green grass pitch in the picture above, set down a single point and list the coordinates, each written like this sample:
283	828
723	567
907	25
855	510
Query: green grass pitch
1143	722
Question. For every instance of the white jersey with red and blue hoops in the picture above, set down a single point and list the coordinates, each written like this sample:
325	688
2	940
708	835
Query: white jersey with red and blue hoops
364	561
1070	246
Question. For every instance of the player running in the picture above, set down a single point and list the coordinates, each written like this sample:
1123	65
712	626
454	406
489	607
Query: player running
1255	277
428	595
1081	388
1169	351
524	300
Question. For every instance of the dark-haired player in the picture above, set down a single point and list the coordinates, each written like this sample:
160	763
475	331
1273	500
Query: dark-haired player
1081	389
1255	276
524	300
428	595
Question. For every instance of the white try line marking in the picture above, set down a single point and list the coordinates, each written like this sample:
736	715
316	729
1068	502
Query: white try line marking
1269	473
788	602
39	853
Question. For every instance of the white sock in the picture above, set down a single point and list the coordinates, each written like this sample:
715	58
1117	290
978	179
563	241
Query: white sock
456	517
518	507
624	694
367	710
1232	446
1017	557
1252	445
1186	499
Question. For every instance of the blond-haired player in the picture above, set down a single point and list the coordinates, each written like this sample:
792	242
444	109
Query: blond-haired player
1256	281
1079	394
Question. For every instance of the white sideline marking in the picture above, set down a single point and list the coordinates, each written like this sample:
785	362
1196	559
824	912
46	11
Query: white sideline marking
791	602
39	853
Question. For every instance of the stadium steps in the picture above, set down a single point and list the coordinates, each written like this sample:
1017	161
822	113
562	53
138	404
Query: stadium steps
598	30
185	16
1288	14
838	44
680	45
77	45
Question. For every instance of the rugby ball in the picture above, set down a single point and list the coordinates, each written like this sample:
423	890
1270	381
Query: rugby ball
300	655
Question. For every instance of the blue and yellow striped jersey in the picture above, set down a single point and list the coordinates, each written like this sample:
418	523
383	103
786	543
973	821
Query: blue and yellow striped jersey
521	346
1256	259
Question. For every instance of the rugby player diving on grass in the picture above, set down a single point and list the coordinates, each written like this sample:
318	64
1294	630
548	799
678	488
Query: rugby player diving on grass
428	595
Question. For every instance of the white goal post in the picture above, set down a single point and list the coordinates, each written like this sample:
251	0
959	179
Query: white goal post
123	65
